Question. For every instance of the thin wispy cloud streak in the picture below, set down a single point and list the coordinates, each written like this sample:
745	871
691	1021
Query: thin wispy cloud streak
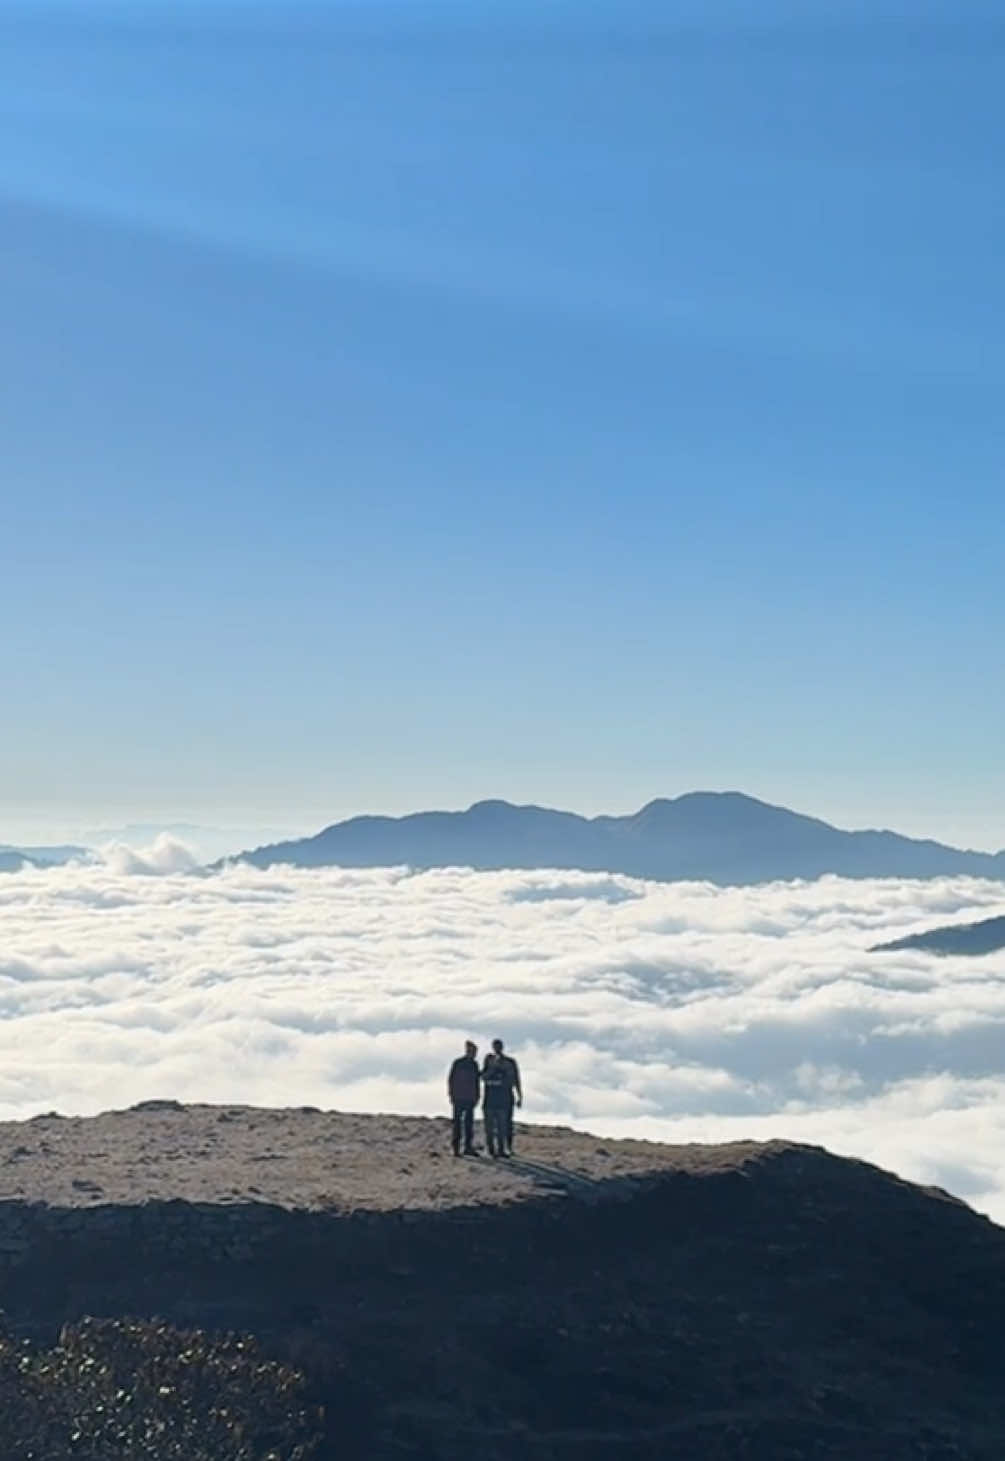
677	1012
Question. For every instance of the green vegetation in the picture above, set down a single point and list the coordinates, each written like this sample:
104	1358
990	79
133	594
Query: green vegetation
144	1391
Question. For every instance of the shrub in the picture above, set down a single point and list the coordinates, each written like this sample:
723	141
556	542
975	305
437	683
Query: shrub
141	1390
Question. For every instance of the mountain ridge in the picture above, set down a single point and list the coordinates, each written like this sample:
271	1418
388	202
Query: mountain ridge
968	939
727	838
13	859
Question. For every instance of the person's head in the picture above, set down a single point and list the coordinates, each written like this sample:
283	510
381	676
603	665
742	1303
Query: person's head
497	1046
470	1049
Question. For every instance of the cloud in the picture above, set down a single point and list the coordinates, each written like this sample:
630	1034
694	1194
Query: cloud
608	890
679	1012
166	854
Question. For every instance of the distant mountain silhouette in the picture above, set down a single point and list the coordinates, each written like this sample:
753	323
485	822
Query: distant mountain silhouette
954	938
13	859
719	837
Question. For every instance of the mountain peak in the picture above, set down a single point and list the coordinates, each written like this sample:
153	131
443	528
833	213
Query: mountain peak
719	813
724	837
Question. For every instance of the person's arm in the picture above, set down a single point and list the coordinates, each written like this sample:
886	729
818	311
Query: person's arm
450	1081
516	1084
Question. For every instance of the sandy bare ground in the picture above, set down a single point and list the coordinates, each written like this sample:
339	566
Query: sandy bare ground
315	1160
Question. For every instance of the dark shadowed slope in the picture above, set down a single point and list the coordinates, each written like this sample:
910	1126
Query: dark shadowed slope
721	837
954	938
593	1301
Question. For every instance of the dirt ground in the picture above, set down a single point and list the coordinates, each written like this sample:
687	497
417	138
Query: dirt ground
315	1160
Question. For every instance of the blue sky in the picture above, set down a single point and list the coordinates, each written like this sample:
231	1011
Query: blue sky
407	404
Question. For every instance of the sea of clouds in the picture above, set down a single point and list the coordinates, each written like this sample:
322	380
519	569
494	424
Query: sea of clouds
682	1012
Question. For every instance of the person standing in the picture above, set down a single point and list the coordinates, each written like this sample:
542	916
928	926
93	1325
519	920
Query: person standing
495	1104
501	1088
515	1090
463	1084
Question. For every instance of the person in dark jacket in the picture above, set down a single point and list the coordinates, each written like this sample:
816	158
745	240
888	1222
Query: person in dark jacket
501	1086
463	1084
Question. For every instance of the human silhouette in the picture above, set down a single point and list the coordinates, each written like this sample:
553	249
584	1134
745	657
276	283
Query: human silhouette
462	1087
501	1091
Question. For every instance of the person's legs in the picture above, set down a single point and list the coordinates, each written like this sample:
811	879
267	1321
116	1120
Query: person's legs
455	1129
493	1130
468	1126
509	1126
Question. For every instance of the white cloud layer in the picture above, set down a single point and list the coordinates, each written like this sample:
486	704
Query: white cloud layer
680	1012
